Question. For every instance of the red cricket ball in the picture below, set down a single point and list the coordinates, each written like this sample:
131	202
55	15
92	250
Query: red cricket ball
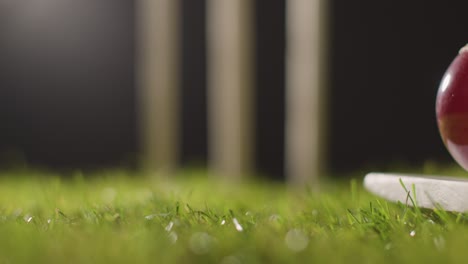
452	108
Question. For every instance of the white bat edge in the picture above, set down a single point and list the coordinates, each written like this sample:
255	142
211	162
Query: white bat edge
432	192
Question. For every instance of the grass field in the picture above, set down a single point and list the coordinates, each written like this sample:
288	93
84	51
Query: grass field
121	218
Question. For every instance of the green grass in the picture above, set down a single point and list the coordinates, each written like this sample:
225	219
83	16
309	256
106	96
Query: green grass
122	218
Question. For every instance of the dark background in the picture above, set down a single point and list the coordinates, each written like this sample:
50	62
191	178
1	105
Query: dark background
66	76
387	61
67	93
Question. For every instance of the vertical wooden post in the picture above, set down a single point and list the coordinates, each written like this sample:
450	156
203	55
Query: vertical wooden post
230	66
305	84
157	74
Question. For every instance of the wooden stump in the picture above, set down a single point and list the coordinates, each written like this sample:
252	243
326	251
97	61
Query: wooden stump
157	80
305	90
230	90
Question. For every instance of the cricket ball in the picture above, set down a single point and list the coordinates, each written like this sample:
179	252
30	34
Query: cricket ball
452	108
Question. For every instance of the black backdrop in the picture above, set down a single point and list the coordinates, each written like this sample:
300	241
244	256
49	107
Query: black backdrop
387	61
66	76
67	93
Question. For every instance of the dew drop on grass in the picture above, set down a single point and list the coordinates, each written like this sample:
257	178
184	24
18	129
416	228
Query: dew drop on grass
169	226
150	217
28	218
201	243
237	225
296	240
388	246
108	195
439	242
173	237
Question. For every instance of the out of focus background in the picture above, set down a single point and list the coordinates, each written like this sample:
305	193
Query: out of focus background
280	88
